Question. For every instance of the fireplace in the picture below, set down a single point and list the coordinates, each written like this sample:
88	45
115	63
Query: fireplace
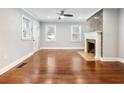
91	46
93	43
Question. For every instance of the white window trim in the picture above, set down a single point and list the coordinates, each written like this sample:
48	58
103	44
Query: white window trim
46	27
26	38
79	33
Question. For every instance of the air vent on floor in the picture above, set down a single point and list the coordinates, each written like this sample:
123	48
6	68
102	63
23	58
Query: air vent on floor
21	65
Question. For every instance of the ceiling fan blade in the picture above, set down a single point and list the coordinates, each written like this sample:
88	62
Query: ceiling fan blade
68	15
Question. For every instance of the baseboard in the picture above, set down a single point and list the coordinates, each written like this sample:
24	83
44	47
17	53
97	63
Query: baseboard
61	48
121	60
13	64
105	59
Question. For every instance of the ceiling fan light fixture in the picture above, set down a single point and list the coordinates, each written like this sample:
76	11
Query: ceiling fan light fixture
61	16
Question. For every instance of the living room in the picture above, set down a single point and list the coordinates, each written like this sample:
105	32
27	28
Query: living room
61	45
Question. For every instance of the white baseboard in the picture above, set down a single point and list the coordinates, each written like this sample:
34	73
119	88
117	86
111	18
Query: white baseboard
121	60
105	59
13	64
61	48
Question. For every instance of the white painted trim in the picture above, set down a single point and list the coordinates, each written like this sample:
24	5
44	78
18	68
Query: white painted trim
13	64
80	33
105	59
121	60
31	24
61	48
35	17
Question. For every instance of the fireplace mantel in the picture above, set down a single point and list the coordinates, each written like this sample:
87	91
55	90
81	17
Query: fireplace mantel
97	37
92	35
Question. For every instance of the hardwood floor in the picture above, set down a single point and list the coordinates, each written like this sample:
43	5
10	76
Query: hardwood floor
63	67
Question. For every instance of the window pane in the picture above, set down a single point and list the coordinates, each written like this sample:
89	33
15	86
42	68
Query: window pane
50	33
76	35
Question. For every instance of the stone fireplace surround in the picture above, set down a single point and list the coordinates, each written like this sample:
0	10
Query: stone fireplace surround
97	37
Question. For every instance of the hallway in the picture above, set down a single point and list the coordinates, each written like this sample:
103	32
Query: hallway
63	67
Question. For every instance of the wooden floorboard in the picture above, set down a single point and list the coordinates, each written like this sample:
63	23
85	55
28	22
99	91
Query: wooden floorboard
64	67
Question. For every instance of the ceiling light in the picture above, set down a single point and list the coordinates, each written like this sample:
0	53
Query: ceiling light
61	16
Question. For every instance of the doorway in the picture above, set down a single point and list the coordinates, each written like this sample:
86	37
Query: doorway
36	36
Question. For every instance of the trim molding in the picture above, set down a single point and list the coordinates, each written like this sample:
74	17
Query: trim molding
13	64
109	59
121	60
61	48
29	13
105	59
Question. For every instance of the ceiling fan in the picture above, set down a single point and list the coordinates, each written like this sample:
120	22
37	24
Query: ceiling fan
62	14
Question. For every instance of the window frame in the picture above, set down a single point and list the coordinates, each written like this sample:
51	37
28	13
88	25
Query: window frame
30	37
46	31
79	26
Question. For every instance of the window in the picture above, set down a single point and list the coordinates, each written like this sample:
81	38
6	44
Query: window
50	33
75	33
27	28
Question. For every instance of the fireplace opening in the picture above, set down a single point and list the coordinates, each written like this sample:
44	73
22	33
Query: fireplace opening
91	46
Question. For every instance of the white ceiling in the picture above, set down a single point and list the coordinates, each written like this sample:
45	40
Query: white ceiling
49	14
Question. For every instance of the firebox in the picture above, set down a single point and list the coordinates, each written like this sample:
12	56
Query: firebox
91	46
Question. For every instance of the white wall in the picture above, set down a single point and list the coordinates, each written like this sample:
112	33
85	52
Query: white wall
121	35
110	32
11	45
63	36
